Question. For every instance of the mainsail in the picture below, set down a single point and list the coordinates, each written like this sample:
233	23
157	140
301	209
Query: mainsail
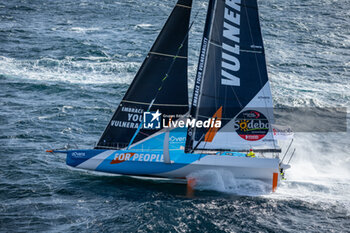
155	82
232	81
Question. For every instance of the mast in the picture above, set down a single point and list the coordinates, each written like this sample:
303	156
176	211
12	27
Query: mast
169	49
232	81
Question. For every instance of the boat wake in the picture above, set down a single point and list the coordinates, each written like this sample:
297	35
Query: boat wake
320	173
224	181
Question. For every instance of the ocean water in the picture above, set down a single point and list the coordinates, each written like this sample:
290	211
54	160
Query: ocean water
64	67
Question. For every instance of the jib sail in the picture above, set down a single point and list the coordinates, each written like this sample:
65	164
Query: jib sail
153	82
232	82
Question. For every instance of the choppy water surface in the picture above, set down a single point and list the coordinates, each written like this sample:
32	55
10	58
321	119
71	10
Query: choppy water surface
64	67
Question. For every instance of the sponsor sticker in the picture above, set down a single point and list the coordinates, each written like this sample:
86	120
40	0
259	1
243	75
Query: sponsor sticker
78	154
251	125
137	157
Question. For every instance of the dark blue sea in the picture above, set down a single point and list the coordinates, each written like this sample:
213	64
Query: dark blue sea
64	67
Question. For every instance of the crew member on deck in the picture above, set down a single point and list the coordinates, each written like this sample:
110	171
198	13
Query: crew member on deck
282	174
251	154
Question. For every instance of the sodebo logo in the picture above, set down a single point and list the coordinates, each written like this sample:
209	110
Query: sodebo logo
251	125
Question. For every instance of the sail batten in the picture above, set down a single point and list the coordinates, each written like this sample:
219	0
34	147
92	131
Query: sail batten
167	55
185	6
155	104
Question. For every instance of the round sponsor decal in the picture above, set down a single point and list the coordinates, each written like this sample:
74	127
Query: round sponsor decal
251	125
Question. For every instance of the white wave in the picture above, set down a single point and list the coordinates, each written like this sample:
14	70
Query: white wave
320	171
328	193
298	91
144	25
84	30
321	156
319	174
89	70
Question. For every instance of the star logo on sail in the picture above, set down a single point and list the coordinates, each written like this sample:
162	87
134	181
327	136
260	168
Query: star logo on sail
151	120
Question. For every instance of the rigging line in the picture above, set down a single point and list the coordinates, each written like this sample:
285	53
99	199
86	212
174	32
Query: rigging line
203	136
239	102
287	151
199	141
155	138
139	127
291	156
146	134
164	79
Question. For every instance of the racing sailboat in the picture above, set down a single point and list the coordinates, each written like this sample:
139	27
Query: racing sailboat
155	132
